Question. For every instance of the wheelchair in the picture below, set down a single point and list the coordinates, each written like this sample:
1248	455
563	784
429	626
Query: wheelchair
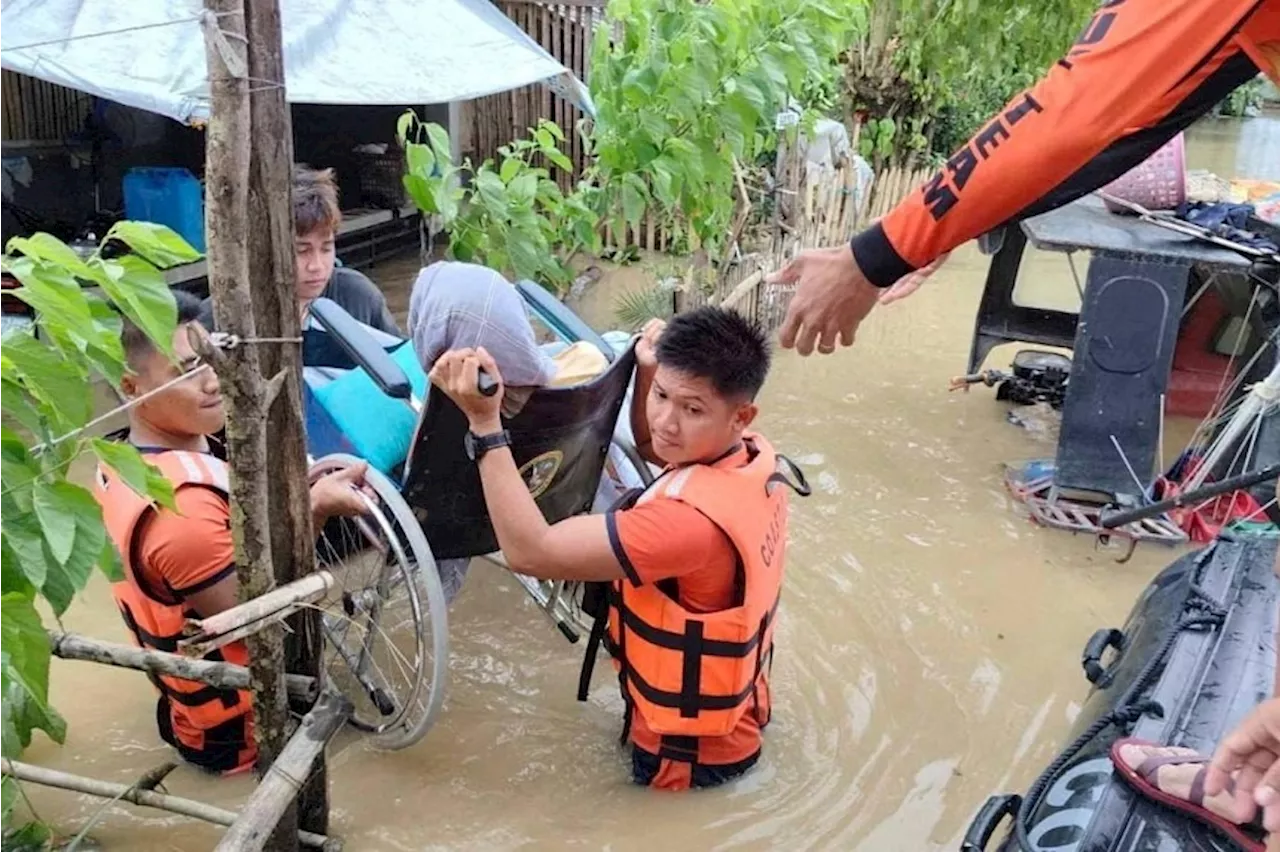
386	626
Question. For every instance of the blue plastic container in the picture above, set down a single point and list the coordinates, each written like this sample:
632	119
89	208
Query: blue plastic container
171	197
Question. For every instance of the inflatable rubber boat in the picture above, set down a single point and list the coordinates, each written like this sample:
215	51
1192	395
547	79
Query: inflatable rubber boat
1196	654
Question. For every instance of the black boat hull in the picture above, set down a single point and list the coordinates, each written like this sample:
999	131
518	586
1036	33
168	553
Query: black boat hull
1196	654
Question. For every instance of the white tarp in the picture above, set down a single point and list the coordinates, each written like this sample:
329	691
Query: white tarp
150	54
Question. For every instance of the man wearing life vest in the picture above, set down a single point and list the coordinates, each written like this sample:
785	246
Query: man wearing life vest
693	565
181	564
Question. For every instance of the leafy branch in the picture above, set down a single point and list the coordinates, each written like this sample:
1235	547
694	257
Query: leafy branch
51	529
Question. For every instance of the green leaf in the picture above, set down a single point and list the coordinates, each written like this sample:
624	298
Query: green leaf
22	534
559	159
420	190
17	405
24	664
32	837
552	128
49	248
440	143
522	189
89	536
544	138
663	180
161	245
12	579
58	590
633	204
57	517
56	296
50	378
510	167
751	94
493	193
144	478
109	562
140	291
445	197
419	160
404	124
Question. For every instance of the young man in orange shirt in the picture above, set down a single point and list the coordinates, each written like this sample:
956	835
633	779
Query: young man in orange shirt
180	564
694	563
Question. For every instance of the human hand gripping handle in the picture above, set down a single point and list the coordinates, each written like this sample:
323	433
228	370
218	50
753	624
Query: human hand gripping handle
470	378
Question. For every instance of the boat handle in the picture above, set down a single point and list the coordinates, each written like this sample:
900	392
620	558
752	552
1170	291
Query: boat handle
988	819
1091	659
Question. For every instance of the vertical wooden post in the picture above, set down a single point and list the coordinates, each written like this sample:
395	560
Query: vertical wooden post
227	223
275	307
251	279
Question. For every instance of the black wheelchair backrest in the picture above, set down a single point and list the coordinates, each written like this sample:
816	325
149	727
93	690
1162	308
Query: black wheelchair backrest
559	439
342	331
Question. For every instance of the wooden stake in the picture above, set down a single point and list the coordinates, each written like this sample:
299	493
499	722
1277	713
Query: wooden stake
136	794
287	775
69	646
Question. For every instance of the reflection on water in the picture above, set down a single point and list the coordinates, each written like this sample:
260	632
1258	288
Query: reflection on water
929	643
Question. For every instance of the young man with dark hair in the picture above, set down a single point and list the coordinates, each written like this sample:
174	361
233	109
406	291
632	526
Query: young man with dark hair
694	562
182	564
316	219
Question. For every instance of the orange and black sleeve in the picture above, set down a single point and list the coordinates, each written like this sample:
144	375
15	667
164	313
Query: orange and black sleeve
1140	72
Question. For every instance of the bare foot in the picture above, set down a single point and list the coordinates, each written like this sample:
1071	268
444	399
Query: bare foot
1185	780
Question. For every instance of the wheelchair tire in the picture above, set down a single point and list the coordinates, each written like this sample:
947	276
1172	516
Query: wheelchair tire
399	721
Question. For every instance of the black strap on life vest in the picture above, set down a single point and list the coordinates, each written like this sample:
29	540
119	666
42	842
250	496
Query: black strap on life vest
693	646
595	603
169	644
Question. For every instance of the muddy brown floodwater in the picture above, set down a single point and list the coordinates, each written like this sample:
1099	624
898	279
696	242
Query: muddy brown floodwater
928	646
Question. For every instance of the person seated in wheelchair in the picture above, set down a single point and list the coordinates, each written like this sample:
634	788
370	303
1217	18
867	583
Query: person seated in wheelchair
693	564
179	564
455	305
316	219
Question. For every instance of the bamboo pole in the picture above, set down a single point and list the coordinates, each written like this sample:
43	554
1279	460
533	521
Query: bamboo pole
70	646
136	794
287	775
274	605
742	290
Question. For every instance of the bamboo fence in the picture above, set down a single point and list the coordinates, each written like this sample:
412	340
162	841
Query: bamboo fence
565	30
810	211
36	111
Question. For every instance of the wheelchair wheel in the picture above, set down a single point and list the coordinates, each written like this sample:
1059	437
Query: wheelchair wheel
385	623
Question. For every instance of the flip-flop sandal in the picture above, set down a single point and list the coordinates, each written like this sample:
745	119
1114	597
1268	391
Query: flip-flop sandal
1143	780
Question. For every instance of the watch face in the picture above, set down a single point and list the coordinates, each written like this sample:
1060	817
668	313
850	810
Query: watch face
469	443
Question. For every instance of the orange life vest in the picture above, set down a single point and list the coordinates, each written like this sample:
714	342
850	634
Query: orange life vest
694	674
210	727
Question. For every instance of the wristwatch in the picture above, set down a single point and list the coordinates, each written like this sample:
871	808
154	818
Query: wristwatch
478	445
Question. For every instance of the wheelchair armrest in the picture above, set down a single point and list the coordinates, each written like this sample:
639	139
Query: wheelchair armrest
562	320
362	348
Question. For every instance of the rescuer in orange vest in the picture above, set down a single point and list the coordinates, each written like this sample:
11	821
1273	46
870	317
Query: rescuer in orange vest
181	564
693	565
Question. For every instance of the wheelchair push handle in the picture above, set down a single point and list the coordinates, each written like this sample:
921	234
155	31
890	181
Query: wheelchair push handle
486	384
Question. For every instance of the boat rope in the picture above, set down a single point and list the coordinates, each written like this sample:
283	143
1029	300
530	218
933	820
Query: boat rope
1199	610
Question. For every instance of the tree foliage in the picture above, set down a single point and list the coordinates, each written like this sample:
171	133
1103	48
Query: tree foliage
940	68
51	531
683	90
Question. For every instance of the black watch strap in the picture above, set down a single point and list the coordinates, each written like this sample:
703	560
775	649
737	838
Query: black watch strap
478	445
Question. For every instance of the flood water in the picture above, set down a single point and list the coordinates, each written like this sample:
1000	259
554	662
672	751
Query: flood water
928	654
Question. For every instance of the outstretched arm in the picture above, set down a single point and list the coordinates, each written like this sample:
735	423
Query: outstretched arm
1140	71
